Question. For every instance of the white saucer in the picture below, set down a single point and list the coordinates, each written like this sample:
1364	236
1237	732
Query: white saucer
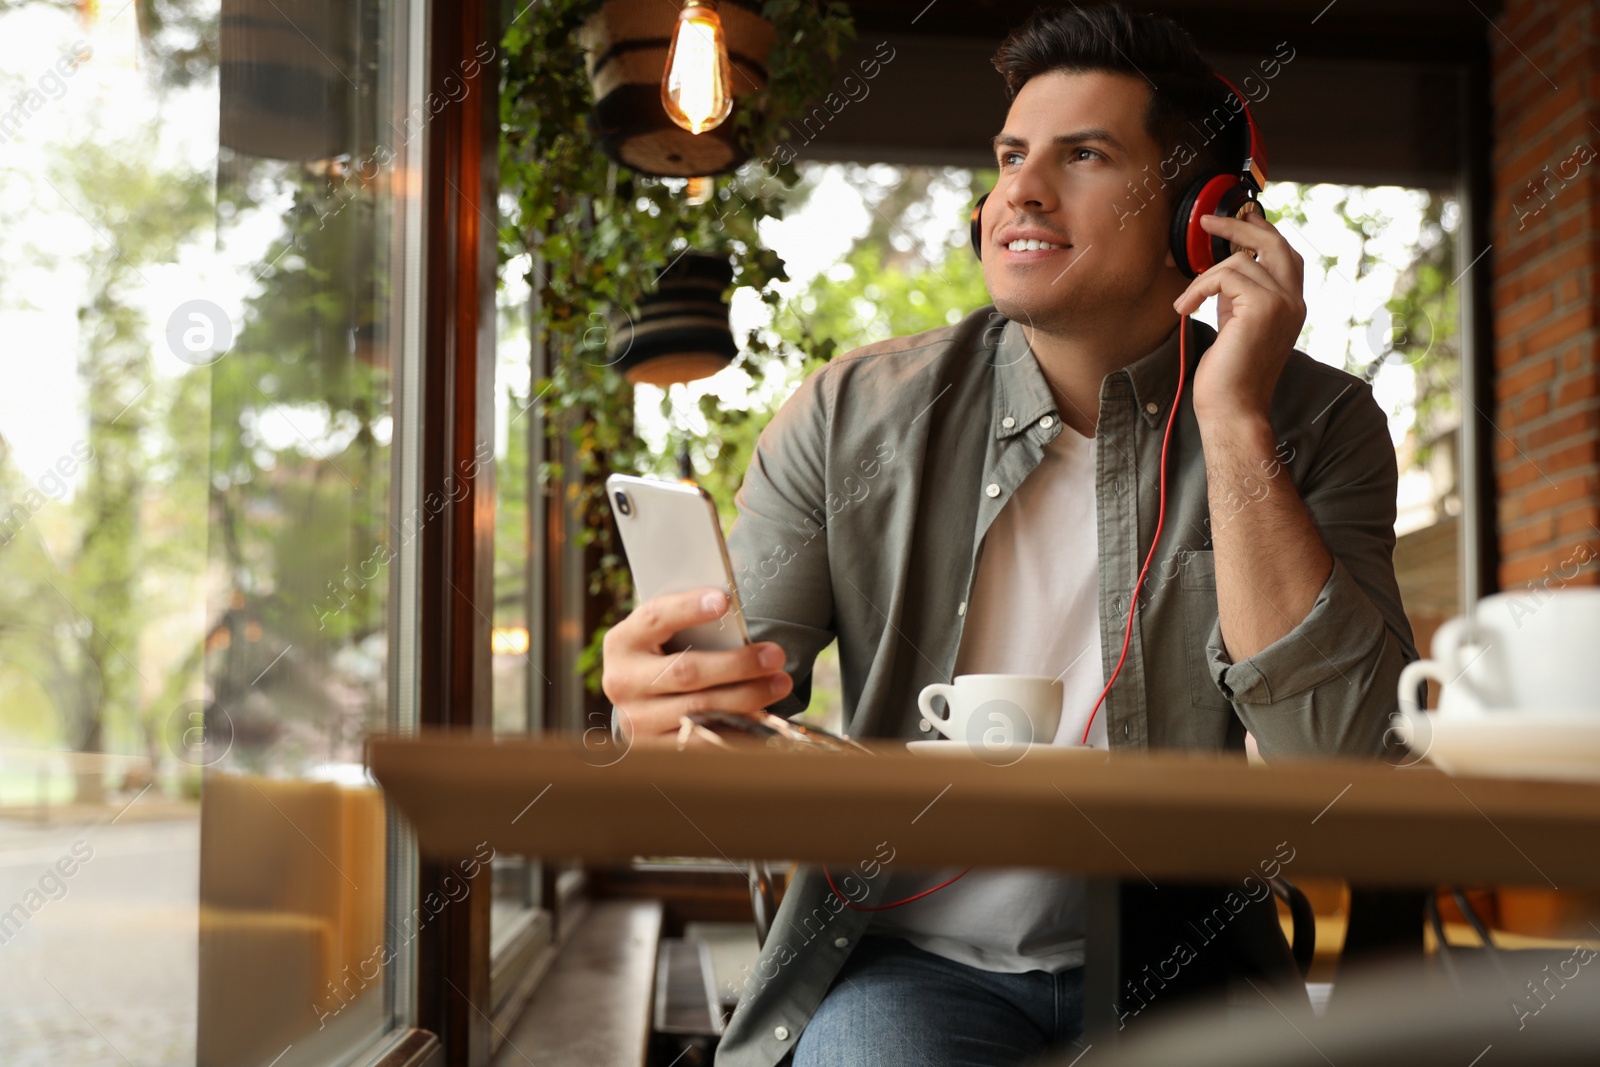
1508	743
947	747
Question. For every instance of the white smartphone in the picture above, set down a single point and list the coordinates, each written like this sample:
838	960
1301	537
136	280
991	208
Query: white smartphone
673	539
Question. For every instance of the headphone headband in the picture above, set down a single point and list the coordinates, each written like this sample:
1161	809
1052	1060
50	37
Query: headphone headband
1254	165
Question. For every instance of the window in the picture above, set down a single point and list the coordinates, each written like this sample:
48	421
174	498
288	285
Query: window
519	927
209	248
893	260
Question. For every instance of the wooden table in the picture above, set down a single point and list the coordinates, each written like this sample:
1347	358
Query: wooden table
1151	816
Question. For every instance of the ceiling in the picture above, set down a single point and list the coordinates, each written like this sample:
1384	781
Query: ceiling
1212	24
1372	94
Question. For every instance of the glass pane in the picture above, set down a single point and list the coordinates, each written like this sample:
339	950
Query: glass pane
517	681
293	938
513	656
1381	263
881	251
202	282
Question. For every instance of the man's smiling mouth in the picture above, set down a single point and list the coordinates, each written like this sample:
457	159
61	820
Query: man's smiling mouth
1031	245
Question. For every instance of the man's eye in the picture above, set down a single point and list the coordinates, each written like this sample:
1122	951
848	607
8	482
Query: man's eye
1077	151
1006	157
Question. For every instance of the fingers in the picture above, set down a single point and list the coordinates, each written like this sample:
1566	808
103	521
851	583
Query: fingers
1272	250
1233	277
1241	263
750	696
652	690
1218	281
660	717
653	623
695	669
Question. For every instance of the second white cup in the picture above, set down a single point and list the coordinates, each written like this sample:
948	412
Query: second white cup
1515	653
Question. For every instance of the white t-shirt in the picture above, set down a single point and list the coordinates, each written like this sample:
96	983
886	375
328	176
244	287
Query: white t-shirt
1034	610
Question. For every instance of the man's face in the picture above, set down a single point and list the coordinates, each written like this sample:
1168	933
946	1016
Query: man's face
1071	144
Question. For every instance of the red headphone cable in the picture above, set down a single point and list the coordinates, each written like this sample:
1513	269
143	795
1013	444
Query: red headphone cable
884	907
1127	635
1161	516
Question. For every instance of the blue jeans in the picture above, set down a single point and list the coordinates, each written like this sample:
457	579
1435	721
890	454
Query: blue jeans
896	1005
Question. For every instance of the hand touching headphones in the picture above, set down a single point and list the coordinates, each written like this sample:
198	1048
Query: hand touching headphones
1231	194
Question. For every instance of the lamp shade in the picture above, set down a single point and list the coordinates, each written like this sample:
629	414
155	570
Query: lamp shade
626	44
284	95
681	333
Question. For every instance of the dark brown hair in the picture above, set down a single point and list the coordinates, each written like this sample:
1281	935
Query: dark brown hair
1188	105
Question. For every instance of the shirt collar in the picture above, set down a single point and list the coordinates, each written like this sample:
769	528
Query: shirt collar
1155	376
1022	395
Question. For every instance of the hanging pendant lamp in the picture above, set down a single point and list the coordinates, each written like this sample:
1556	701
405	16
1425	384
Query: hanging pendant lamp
628	45
681	333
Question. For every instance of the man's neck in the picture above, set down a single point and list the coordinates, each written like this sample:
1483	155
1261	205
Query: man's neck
1076	361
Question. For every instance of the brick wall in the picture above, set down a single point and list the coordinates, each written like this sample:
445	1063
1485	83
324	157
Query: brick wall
1546	291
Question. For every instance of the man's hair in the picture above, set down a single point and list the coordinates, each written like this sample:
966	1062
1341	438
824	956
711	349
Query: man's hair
1188	105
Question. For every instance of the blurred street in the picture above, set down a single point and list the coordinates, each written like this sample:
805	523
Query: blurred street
104	973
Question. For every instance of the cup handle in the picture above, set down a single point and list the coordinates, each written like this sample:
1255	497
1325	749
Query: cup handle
1410	675
925	705
1447	643
1410	728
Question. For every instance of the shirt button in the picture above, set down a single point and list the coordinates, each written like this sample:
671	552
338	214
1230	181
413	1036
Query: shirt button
1152	408
992	491
844	942
1008	422
1047	422
925	726
961	609
781	1033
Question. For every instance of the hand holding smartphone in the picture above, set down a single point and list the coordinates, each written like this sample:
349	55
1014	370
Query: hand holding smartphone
676	655
674	543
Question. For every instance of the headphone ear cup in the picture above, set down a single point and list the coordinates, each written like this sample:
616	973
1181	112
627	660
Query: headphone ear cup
977	226
1193	249
1183	220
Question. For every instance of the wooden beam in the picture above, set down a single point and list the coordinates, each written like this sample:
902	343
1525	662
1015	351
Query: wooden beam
453	986
1347	118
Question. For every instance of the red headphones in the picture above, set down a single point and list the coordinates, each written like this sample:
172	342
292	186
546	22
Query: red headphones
1234	195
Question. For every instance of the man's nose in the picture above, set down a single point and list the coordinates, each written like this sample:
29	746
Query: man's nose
1029	188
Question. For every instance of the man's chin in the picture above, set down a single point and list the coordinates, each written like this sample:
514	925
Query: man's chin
1031	313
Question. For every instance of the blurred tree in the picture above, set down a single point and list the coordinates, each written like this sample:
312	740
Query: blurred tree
179	37
1426	310
302	534
78	613
1423	305
907	273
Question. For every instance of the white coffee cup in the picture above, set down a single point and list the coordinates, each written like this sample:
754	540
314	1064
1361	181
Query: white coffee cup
990	711
1532	653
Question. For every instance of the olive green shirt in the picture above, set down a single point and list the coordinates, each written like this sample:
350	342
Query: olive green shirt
862	514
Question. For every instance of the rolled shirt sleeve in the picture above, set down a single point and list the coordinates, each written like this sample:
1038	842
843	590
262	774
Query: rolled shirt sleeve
1329	685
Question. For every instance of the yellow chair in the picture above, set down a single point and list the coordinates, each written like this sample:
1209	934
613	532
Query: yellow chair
291	910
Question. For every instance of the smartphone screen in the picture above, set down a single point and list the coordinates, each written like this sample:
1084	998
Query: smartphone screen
673	540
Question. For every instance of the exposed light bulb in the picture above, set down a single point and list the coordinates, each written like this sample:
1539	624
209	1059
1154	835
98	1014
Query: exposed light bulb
696	86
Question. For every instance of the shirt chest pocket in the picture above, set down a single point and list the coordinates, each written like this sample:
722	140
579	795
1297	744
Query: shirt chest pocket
1198	590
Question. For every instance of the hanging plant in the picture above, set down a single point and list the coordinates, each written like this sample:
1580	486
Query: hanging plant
601	235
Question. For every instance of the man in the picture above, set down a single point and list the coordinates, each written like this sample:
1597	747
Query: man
980	499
